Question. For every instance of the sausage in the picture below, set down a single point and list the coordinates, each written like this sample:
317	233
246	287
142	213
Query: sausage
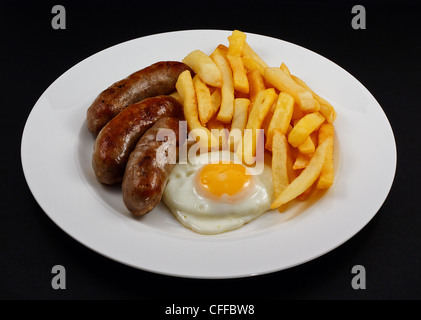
157	79
148	168
118	137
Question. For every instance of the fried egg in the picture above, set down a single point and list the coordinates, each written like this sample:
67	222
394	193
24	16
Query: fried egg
211	197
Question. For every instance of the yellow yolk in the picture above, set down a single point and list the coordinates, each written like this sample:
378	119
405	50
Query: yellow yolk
218	179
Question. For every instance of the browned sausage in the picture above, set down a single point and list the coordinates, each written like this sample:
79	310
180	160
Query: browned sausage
148	168
157	79
118	138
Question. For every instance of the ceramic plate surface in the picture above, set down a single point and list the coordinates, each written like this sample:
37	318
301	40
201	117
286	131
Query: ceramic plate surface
57	148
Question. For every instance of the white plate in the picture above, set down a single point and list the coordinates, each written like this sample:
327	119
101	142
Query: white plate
56	158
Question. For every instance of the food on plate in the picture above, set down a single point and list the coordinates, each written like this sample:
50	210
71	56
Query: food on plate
119	136
280	153
149	166
260	109
306	178
156	79
185	88
256	84
326	109
326	132
283	82
204	100
226	109
239	118
213	197
234	53
304	127
203	65
231	139
281	117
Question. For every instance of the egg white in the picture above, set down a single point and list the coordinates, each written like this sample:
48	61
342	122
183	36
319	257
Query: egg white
209	216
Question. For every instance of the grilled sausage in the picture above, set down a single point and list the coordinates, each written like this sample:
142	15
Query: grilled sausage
157	79
148	168
118	138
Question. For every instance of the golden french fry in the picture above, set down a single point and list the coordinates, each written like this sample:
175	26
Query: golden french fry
204	101
304	127
239	74
279	162
305	194
283	82
221	49
248	51
260	109
185	89
239	119
235	49
292	174
297	113
266	122
227	90
256	84
203	65
285	69
236	43
326	109
328	112
281	117
308	146
302	160
307	177
251	64
216	99
326	132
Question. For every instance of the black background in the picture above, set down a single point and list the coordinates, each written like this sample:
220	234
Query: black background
384	57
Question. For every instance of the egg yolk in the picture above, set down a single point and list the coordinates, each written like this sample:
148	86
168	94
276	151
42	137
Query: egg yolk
220	178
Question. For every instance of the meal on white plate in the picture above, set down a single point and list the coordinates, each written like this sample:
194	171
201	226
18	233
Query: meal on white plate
219	137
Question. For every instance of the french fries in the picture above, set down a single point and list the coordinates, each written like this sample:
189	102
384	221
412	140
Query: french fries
326	109
281	117
309	144
251	64
239	120
216	99
279	162
203	65
256	84
306	178
241	83
185	88
249	52
304	127
235	94
326	132
204	101
227	90
260	109
236	43
234	52
283	82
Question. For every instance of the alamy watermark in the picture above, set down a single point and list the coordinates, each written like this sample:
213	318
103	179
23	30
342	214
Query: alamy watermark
359	20
359	280
59	280
59	20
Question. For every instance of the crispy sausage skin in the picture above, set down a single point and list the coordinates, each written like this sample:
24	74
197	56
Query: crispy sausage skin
149	166
118	137
157	79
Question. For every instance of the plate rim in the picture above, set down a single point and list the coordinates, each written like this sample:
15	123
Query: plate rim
51	216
